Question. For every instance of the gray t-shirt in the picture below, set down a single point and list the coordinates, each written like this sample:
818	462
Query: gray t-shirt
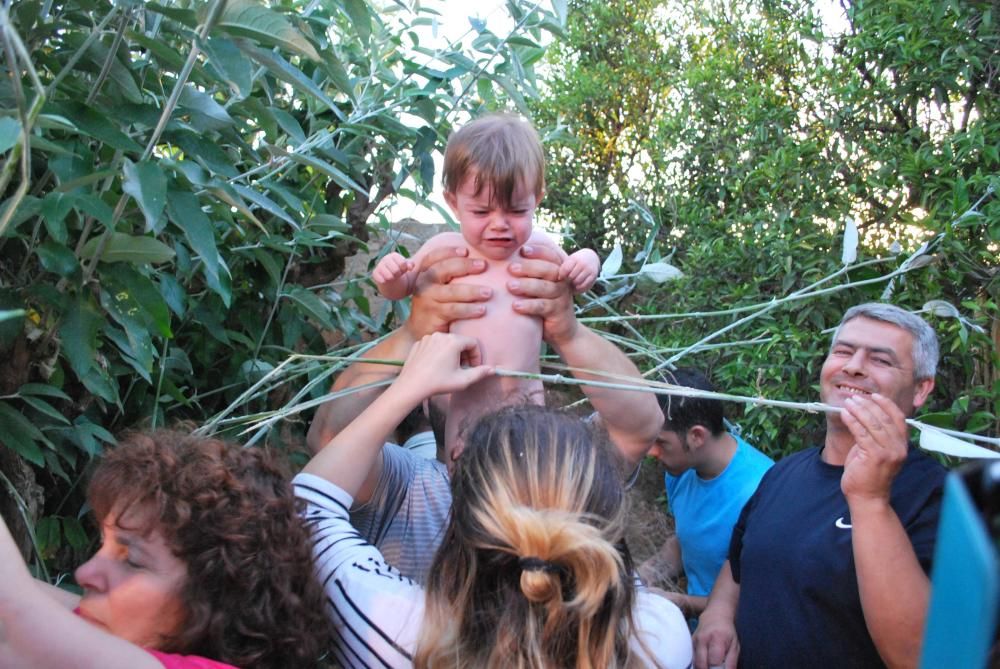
408	512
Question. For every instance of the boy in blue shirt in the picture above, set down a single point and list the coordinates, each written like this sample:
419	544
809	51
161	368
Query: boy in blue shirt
711	473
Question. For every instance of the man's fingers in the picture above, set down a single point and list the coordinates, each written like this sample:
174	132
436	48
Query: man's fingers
456	292
733	654
533	307
536	269
450	268
442	253
535	288
700	654
541	252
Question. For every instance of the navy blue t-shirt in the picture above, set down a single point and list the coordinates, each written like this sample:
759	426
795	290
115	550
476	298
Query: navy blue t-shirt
799	604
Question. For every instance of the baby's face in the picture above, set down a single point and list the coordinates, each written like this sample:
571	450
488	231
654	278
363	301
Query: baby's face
494	231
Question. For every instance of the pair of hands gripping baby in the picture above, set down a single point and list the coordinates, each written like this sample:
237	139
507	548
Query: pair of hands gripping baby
505	338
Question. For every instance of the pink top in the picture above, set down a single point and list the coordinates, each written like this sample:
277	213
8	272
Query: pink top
170	661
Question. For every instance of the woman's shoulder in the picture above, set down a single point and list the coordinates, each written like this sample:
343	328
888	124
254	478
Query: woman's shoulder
661	630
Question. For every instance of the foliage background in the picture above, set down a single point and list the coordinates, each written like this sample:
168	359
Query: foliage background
183	182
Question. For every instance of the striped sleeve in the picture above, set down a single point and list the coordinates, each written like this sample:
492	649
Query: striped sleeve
376	612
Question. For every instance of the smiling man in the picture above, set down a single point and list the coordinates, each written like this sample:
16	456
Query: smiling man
828	562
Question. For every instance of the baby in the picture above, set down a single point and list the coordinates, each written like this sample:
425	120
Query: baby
494	177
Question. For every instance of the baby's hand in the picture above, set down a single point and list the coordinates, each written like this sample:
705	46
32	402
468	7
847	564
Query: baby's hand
581	268
391	267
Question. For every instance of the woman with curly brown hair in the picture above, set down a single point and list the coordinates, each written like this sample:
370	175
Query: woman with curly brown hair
204	563
532	571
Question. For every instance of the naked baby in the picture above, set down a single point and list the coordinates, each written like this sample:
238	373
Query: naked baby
494	177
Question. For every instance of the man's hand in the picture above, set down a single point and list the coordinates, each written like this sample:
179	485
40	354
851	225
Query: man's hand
880	447
436	301
536	283
715	642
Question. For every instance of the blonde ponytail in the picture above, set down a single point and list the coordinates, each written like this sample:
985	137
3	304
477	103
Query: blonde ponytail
532	572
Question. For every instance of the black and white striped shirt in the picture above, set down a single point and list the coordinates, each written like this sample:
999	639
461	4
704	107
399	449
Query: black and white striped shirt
378	613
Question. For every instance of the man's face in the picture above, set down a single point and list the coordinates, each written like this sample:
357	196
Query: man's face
871	356
671	449
496	232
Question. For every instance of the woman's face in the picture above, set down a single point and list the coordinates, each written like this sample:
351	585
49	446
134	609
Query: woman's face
132	584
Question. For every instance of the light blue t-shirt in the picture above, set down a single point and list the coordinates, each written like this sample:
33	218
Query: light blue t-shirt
705	512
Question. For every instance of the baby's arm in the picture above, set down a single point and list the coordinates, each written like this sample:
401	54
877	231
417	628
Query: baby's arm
581	268
394	276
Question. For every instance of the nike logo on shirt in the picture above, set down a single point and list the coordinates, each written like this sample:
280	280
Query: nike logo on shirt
842	524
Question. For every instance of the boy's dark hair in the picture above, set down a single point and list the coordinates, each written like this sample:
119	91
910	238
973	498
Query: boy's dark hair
682	413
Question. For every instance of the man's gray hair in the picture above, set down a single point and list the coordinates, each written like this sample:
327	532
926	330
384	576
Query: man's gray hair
925	343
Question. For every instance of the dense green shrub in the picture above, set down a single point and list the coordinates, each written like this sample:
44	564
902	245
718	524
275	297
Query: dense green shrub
181	185
748	132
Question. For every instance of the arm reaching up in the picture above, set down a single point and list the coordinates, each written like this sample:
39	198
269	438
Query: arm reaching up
632	418
434	366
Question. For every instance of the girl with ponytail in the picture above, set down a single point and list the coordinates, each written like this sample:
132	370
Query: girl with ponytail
532	571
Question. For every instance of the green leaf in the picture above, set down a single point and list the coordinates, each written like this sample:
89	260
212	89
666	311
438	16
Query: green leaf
47	535
311	305
75	534
204	152
117	72
152	310
96	125
129	248
329	170
17	433
45	408
10	132
291	75
42	389
227	63
185	17
169	59
55	207
185	212
289	125
147	183
265	203
87	434
205	112
133	342
173	294
78	334
361	19
57	258
247	18
97	381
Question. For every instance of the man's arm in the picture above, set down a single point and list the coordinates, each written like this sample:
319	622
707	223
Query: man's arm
434	306
632	418
665	564
894	589
715	642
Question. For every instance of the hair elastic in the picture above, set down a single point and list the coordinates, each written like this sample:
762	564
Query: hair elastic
538	564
